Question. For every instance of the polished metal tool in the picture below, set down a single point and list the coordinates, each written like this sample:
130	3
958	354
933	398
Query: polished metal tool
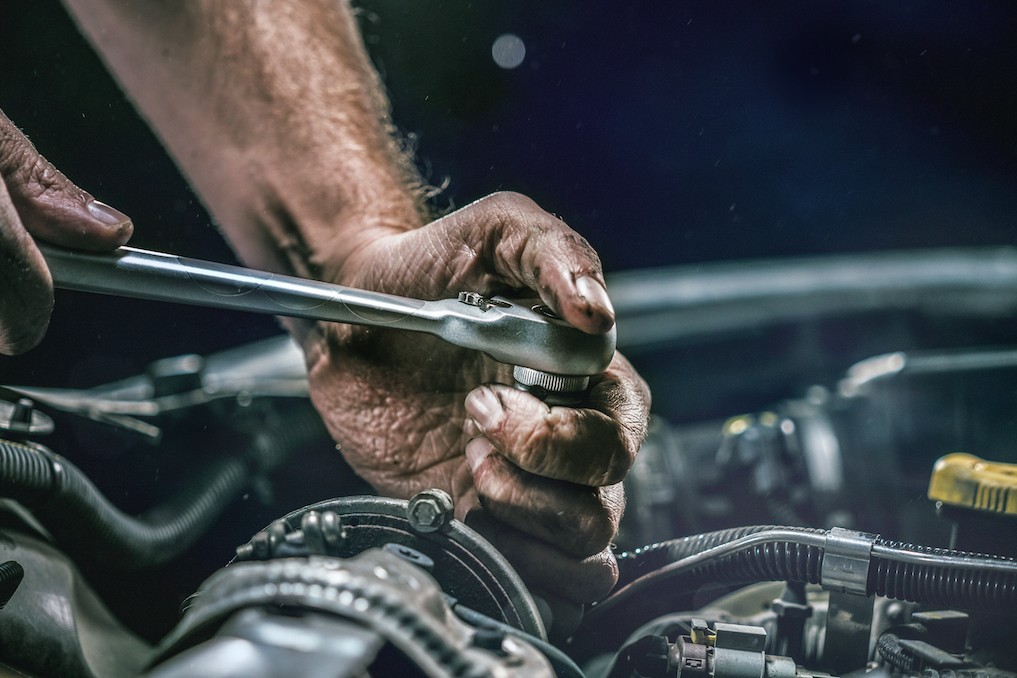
550	357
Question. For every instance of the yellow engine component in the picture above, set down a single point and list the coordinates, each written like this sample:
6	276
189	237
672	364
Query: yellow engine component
965	481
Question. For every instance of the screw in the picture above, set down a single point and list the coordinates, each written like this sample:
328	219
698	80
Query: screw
429	511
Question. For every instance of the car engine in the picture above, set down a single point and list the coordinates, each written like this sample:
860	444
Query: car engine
865	526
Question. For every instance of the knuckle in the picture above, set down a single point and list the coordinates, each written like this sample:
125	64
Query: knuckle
622	453
518	215
26	171
510	201
615	454
39	177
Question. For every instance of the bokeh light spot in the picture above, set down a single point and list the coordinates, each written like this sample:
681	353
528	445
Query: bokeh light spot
508	50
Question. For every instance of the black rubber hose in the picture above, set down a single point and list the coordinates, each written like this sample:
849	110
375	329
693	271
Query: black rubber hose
942	585
634	564
85	523
939	577
25	474
82	520
934	583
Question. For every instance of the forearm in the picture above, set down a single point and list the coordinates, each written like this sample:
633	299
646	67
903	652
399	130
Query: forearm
274	114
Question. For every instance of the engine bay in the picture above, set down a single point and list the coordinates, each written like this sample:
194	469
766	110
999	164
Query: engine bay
827	488
149	524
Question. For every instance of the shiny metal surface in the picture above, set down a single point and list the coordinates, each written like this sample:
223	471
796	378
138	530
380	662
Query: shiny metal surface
510	333
846	559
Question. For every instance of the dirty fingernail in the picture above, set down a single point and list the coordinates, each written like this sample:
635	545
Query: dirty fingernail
484	407
106	214
593	292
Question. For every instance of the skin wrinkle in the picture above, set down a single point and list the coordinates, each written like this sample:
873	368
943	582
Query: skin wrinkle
419	427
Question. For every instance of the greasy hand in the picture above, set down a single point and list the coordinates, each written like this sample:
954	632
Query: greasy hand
37	201
412	412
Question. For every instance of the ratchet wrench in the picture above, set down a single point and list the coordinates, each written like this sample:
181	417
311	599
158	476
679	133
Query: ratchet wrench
551	358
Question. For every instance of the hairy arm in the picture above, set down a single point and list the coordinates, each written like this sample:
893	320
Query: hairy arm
273	112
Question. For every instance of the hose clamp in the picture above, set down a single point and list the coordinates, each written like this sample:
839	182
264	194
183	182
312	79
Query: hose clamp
846	559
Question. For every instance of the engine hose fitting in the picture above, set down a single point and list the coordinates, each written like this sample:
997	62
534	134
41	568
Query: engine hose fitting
940	577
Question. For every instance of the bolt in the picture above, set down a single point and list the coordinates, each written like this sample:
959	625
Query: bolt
429	511
426	514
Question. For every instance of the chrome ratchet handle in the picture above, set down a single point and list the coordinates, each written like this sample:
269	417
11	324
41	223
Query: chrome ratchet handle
143	274
527	335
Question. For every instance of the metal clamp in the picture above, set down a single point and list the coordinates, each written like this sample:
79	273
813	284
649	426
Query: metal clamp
846	559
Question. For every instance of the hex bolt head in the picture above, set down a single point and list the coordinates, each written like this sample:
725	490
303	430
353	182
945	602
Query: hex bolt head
429	511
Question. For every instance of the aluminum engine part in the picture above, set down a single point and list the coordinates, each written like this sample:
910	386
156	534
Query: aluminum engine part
377	590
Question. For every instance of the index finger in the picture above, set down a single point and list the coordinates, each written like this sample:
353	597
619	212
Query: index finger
527	247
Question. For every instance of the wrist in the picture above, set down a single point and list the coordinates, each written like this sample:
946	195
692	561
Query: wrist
301	223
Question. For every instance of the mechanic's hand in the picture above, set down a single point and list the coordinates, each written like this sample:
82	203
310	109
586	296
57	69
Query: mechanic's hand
37	201
413	412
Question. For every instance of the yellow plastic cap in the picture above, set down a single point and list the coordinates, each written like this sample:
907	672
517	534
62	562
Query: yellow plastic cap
969	482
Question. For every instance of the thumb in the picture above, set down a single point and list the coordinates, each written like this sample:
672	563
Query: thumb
49	206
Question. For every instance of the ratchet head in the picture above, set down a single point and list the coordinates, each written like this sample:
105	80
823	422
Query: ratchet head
550	357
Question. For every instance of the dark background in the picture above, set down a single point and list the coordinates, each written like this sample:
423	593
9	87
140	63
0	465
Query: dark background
666	132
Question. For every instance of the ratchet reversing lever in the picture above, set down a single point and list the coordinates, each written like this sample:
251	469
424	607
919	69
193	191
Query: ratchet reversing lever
550	357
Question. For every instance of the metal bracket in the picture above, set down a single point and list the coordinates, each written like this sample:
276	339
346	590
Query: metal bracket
846	561
845	574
